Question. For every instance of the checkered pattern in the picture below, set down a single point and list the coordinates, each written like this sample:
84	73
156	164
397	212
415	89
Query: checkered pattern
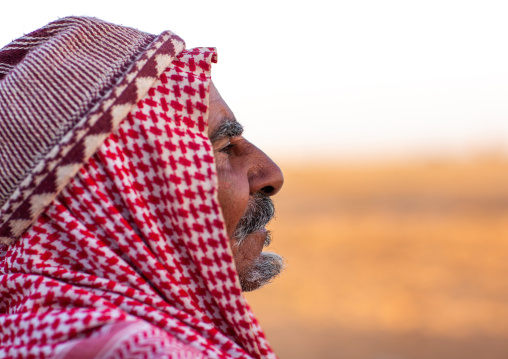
132	259
63	89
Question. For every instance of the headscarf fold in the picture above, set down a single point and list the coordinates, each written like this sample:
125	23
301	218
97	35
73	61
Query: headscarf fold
131	258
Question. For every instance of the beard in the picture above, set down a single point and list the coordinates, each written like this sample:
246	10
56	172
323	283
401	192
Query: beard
268	265
262	271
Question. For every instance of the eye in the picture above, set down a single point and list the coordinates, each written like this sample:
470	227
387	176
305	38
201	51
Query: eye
228	149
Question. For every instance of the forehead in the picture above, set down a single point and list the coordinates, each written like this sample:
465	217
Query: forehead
218	110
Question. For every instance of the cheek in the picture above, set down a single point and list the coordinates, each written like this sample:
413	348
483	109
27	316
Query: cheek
233	196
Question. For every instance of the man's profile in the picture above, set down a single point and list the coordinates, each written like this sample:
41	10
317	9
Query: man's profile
132	210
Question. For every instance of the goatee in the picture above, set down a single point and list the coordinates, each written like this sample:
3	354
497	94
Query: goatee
268	265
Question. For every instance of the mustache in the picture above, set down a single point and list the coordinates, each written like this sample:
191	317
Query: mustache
260	211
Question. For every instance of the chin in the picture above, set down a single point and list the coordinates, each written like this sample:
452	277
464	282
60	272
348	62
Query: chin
261	271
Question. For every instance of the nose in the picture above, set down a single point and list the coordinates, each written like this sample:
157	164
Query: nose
264	175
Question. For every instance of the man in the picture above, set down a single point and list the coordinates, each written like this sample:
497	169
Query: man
133	211
248	177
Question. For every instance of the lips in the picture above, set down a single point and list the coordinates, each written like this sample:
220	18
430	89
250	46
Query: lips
259	237
255	267
260	211
263	236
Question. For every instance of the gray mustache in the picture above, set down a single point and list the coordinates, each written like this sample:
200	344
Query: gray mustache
260	211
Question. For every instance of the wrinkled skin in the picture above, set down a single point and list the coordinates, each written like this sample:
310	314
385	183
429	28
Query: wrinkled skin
243	170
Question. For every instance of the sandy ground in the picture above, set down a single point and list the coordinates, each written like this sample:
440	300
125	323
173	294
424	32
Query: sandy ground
391	261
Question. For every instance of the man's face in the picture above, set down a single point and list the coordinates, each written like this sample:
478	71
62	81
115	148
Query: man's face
247	179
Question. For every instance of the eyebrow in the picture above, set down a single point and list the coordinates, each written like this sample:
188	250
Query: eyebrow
228	127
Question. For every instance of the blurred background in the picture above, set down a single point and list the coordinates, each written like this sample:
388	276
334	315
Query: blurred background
389	120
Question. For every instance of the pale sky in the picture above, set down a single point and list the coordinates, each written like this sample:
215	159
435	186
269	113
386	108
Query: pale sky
344	79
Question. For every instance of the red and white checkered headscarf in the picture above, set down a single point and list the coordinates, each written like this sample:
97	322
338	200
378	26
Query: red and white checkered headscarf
132	259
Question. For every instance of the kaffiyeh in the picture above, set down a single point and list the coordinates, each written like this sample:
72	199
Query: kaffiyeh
113	242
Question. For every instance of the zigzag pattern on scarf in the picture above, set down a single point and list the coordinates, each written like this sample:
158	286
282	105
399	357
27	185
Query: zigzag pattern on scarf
60	101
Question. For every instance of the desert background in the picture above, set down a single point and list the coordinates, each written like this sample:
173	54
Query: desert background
391	259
